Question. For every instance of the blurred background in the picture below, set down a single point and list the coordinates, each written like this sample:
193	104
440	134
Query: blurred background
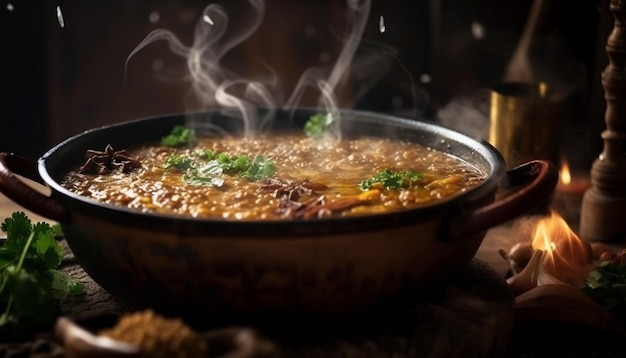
65	64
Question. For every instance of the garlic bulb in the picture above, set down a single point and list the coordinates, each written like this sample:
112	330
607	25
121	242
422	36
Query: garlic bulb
518	256
526	279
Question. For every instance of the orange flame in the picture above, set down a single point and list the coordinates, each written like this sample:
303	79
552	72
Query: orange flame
566	257
564	174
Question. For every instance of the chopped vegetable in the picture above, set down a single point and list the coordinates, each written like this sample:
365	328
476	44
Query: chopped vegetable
252	169
206	168
30	285
392	179
196	179
607	285
259	168
318	124
206	154
178	162
179	137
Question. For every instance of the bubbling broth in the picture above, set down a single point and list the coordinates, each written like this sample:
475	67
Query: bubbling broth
276	176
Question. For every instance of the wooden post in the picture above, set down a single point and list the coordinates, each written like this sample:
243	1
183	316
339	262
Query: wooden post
603	212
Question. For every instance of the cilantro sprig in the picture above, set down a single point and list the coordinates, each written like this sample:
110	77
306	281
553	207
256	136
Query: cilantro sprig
392	179
179	162
318	124
607	286
207	167
180	136
31	287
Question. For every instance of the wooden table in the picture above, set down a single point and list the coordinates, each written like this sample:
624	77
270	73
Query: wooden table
7	207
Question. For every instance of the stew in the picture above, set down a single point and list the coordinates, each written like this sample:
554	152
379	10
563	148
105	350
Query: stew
273	176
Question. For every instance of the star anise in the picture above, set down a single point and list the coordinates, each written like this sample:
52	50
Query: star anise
103	162
289	192
292	190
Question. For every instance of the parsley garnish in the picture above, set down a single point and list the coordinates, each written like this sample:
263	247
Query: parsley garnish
179	137
607	285
392	179
259	168
206	167
30	285
318	124
197	179
178	162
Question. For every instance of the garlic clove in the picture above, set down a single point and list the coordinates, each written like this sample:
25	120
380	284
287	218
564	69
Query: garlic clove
544	278
527	278
518	256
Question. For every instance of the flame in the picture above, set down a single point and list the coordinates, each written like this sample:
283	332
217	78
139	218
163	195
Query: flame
565	174
566	257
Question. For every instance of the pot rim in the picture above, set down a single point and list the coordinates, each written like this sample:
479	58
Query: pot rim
452	207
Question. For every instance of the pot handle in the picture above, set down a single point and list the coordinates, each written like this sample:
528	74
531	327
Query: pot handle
11	166
540	177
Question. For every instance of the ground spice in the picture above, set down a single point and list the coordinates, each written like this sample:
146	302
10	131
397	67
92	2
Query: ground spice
158	336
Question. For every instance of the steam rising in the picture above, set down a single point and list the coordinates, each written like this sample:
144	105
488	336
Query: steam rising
214	86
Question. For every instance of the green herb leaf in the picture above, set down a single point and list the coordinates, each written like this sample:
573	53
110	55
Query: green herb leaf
392	179
30	289
256	169
47	249
19	226
179	137
318	124
196	179
206	154
64	285
176	161
607	285
208	166
260	168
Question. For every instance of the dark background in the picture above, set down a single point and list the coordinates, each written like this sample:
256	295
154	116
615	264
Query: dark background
59	81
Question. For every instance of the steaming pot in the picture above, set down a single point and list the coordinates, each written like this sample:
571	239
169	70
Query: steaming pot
327	267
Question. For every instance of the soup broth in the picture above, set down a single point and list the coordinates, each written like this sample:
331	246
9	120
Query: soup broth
301	177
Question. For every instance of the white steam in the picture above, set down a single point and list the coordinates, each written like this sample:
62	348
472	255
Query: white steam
215	86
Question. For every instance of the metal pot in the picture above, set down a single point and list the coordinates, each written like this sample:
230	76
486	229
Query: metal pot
298	268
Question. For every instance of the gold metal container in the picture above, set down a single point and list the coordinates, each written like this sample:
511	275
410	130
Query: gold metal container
525	121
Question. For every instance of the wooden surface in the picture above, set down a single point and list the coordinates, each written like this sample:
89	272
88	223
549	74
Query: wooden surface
7	207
